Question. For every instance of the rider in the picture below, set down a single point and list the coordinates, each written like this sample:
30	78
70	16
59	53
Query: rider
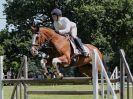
63	25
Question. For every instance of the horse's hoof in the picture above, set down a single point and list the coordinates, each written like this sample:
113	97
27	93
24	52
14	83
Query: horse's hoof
48	76
60	76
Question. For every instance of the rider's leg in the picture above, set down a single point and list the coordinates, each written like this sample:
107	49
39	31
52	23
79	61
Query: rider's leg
76	51
78	41
80	44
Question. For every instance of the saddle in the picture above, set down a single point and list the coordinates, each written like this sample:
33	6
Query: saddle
75	46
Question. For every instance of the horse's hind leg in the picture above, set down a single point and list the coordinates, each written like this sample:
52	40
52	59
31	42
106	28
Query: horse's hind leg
86	70
43	64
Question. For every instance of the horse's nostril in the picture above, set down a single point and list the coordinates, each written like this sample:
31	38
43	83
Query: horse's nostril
33	52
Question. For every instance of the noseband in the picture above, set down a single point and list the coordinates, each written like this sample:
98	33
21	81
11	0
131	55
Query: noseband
34	39
46	42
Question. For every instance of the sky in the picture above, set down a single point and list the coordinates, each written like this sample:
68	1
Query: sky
2	21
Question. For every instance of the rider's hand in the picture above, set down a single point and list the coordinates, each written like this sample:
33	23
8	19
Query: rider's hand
57	31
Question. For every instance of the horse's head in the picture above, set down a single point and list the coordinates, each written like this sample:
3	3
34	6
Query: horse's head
40	40
41	35
35	44
35	23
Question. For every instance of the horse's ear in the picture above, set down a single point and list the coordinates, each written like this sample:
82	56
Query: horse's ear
34	29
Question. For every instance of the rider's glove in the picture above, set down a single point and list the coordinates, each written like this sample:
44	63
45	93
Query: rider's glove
57	31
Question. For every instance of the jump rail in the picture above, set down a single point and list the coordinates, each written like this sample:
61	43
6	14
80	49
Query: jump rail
62	92
124	69
115	76
76	80
66	80
122	53
96	59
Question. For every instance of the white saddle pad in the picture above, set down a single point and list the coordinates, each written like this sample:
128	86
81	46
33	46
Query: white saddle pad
76	51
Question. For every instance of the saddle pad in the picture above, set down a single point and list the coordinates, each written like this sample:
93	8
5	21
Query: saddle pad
76	51
86	49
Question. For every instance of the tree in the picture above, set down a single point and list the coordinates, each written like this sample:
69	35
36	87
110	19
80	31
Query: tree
107	24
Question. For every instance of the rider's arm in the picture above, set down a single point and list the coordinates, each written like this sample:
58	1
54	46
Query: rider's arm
56	26
67	25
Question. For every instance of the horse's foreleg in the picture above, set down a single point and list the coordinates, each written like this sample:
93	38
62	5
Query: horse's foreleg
55	62
43	64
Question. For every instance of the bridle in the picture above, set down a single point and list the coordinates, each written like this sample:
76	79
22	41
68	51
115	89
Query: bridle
43	45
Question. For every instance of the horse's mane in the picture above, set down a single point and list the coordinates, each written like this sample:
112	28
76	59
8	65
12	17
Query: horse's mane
51	31
46	28
56	37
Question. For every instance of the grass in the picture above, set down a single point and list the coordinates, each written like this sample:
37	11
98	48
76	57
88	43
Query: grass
61	87
8	92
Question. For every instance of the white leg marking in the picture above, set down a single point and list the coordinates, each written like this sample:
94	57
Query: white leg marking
55	61
43	63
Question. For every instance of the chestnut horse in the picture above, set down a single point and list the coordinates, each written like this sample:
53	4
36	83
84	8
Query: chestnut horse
63	51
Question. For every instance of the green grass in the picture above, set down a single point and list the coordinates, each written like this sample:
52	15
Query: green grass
61	87
8	92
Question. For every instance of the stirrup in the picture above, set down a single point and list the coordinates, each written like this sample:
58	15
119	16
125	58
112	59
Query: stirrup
85	54
77	54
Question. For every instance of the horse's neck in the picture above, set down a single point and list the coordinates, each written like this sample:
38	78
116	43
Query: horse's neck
54	36
57	40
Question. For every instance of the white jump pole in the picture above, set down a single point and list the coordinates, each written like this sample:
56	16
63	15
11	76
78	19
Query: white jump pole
95	74
1	77
96	59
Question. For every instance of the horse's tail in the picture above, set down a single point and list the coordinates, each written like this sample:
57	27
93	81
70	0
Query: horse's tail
104	63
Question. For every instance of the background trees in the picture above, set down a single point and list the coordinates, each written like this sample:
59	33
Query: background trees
108	24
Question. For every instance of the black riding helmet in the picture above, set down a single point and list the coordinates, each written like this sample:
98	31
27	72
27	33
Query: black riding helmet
57	12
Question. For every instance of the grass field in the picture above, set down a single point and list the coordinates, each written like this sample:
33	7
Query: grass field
8	91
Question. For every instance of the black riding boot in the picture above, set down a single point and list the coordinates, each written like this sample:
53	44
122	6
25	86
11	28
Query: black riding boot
80	44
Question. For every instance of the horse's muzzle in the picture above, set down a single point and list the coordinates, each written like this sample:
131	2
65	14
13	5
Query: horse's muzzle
33	51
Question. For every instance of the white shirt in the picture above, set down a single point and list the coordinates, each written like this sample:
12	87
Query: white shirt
64	25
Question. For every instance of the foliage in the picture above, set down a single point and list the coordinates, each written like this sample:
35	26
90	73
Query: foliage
107	24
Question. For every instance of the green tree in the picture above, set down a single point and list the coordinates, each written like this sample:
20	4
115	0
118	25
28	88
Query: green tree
107	24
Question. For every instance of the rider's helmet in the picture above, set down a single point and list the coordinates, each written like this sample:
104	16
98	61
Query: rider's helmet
56	12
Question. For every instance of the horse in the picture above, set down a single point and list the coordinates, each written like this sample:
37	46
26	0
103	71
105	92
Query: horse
63	52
